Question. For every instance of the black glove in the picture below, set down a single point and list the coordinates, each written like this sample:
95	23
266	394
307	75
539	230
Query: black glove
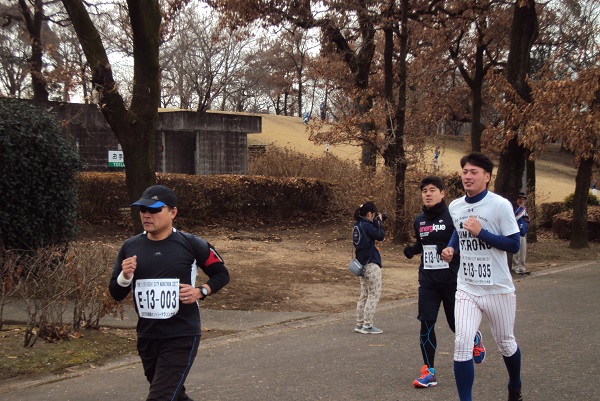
440	246
408	252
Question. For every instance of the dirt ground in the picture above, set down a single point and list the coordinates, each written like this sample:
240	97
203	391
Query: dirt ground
304	268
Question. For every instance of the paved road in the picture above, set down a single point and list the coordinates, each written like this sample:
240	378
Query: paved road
321	358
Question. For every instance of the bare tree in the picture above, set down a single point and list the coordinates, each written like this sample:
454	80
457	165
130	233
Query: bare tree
14	53
524	31
567	98
477	43
202	61
135	125
292	44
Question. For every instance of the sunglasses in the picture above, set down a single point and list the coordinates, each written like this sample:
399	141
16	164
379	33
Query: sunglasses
151	210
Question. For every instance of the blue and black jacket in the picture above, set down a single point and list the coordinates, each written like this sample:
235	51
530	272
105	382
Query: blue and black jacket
364	235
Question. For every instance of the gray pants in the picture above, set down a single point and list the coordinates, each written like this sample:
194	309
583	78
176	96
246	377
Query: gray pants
518	262
370	291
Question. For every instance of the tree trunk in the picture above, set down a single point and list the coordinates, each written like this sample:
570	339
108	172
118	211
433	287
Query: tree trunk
359	64
509	178
522	34
579	229
300	89
389	155
368	153
401	233
476	107
135	128
36	63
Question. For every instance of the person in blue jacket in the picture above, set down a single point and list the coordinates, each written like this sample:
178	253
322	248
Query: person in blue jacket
368	228
518	260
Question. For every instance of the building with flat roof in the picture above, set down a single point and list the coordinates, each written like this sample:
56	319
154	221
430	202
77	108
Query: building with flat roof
186	142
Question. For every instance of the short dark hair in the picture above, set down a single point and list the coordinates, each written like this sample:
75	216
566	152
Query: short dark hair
363	209
479	160
432	179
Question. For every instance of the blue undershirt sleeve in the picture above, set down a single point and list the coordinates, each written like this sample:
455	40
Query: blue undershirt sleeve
510	243
453	243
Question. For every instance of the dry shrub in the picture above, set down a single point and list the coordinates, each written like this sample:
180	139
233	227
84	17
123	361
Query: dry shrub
90	265
352	185
282	185
208	199
101	197
41	283
561	224
50	283
546	211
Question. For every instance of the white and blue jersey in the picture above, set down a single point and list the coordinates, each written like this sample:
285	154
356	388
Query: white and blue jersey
483	268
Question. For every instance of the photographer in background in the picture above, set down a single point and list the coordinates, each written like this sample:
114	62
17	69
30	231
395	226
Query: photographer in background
368	228
437	278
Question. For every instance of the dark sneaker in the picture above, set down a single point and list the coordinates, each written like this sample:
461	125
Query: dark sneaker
478	349
358	328
427	378
514	395
370	330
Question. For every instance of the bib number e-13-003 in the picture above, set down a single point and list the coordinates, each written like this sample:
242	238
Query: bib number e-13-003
157	298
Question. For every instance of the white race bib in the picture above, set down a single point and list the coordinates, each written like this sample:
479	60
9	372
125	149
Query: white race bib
432	260
476	269
157	298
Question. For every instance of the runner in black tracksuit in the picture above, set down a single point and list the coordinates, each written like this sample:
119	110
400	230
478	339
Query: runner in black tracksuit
437	279
159	267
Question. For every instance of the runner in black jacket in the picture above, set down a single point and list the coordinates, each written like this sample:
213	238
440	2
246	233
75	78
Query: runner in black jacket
437	279
159	266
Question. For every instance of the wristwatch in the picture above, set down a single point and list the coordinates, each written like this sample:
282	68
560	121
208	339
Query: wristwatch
204	292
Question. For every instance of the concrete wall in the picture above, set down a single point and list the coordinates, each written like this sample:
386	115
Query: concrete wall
186	142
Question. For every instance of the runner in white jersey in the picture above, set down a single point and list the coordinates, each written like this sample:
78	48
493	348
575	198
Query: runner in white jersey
486	230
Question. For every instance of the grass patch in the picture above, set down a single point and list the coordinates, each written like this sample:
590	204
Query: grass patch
87	347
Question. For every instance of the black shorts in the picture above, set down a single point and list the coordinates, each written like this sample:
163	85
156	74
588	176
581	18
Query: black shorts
431	295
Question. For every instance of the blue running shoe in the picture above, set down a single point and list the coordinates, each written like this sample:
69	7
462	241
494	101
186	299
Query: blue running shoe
427	378
478	349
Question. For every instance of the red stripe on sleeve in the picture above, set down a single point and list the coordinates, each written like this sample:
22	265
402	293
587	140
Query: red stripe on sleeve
213	257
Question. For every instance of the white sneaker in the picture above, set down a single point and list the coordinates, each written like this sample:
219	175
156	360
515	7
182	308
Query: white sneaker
371	330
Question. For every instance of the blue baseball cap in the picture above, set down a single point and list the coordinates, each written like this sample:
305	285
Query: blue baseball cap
157	196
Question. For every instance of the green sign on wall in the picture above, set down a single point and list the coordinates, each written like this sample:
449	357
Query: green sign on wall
115	158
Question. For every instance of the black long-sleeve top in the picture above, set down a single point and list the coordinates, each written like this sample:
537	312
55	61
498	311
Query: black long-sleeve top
161	266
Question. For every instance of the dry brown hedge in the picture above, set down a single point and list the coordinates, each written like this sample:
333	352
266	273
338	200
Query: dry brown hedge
207	199
561	224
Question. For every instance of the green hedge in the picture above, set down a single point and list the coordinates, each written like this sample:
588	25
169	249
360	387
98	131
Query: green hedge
37	184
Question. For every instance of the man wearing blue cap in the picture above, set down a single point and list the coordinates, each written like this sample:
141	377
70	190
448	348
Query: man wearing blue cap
160	267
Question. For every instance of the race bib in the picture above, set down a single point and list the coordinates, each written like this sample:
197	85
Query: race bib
432	260
476	270
157	298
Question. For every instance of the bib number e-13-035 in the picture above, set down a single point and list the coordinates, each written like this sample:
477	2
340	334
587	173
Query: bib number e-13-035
476	269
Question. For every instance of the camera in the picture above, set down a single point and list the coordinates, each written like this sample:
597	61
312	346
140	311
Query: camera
383	216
